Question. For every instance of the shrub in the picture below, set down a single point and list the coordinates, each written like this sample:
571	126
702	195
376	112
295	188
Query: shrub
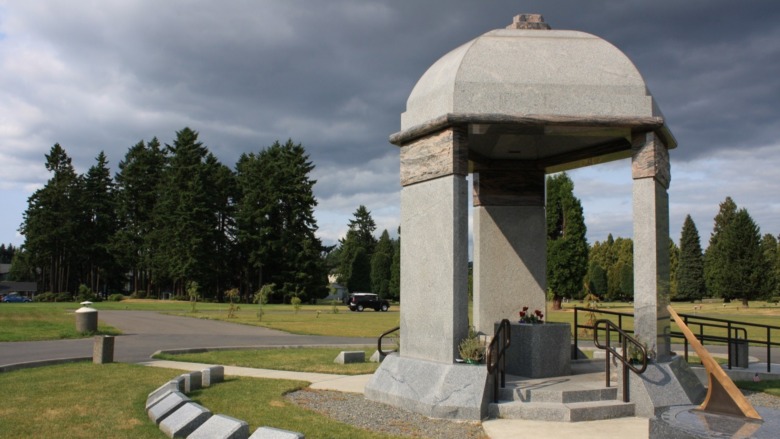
45	297
64	297
116	298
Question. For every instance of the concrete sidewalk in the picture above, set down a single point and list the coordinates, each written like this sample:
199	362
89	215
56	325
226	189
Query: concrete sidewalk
494	428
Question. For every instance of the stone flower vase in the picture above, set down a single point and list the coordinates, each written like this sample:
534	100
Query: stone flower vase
539	350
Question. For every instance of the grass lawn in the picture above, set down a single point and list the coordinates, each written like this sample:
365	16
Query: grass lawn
317	360
42	321
84	400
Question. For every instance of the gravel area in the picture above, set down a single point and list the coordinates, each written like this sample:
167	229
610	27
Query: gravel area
760	399
355	410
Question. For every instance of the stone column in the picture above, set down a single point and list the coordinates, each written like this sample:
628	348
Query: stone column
651	174
434	246
510	256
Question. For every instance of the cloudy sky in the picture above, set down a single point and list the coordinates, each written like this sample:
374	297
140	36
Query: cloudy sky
334	75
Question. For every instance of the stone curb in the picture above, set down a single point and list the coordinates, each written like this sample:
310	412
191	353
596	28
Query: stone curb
177	416
41	363
245	348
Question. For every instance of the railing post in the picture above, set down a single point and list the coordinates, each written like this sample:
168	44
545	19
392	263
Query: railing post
685	340
768	350
607	354
728	343
625	372
575	349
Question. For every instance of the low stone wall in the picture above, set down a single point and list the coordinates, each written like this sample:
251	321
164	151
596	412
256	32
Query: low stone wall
178	416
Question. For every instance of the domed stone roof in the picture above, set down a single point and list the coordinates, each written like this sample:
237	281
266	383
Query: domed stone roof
559	98
531	72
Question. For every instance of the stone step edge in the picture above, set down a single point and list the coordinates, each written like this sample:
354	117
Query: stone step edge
559	396
559	412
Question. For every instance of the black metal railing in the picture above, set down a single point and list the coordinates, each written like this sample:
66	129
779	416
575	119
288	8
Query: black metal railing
627	344
379	342
496	356
728	332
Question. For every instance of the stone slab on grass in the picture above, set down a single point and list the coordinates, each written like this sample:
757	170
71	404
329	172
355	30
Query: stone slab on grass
275	433
212	375
347	357
186	419
161	392
192	381
221	427
167	405
376	357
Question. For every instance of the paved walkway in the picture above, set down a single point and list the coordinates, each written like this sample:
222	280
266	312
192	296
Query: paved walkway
145	332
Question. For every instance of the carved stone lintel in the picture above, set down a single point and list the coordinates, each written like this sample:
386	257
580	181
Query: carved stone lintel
502	186
436	155
650	159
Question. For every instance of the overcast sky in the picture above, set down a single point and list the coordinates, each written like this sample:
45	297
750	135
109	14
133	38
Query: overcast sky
335	76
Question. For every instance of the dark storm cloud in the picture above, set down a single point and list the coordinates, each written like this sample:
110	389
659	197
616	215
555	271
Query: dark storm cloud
334	76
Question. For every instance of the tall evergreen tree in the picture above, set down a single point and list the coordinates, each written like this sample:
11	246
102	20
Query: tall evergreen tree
768	247
715	257
395	269
99	227
567	248
138	184
690	271
744	273
359	236
51	223
276	224
381	266
674	263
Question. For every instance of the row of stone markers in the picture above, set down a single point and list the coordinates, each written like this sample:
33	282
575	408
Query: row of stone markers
179	417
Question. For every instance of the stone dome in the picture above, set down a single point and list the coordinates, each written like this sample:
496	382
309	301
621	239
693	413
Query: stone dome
531	72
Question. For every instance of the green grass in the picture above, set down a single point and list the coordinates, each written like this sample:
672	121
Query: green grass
317	360
758	312
42	321
771	387
84	400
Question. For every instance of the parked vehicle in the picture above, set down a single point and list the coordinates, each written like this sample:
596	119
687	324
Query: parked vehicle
360	301
15	297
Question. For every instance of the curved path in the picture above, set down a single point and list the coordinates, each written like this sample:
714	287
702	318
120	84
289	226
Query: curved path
145	332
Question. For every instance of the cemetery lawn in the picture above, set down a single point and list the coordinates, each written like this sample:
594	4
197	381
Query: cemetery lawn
316	360
85	400
42	321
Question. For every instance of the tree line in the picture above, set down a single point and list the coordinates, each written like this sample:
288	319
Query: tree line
175	220
739	262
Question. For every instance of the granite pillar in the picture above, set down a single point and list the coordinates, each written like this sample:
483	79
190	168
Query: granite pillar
510	257
434	248
651	174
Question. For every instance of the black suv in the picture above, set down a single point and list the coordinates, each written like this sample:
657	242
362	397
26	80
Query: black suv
361	301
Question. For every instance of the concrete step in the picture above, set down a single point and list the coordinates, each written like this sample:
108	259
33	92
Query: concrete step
519	393
561	412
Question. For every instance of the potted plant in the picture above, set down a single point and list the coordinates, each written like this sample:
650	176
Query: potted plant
471	348
531	318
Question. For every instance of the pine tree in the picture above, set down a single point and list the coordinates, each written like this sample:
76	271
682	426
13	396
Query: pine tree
138	184
768	248
744	273
395	269
359	236
51	223
674	263
715	257
275	222
99	227
567	248
381	266
690	271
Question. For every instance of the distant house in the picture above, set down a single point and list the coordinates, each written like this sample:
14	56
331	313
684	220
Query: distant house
338	292
4	270
26	289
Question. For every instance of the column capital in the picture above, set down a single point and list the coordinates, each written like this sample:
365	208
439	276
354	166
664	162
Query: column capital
436	155
650	159
508	186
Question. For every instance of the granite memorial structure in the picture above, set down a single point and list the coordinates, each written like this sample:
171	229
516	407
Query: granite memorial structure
510	107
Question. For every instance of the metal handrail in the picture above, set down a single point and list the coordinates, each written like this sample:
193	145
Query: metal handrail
625	339
732	332
496	355
379	342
